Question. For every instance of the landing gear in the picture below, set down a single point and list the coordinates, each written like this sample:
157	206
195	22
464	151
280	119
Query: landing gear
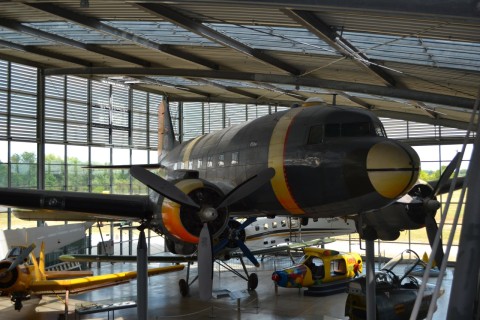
184	287
252	281
17	299
252	278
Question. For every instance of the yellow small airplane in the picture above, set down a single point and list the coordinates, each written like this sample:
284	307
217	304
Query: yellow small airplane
322	271
21	276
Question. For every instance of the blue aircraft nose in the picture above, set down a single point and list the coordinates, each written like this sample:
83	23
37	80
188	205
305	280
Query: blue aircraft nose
393	168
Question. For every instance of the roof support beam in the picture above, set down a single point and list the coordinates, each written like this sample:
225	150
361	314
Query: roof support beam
175	86
179	19
44	53
17	26
313	23
276	79
458	8
227	88
289	93
102	27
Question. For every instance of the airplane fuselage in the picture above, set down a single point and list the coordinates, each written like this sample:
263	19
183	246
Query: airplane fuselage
329	161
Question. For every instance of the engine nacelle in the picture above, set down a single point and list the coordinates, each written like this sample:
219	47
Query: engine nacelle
184	223
14	280
406	214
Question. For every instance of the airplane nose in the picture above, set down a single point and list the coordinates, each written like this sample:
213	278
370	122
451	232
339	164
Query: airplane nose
392	168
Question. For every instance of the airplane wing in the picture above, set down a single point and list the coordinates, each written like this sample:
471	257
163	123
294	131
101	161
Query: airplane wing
167	258
175	258
294	246
59	205
79	285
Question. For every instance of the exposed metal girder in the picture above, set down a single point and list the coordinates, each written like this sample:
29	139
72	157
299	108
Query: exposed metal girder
45	53
200	29
458	8
175	86
227	88
466	103
313	23
102	27
271	87
421	118
356	100
263	100
24	61
17	26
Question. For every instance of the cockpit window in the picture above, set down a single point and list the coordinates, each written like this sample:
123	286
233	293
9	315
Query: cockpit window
318	133
315	136
356	129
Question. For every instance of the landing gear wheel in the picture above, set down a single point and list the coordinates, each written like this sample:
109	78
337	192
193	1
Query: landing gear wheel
252	281
184	289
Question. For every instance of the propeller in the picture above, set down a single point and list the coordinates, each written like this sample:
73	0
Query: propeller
161	186
21	257
206	213
426	197
205	264
235	238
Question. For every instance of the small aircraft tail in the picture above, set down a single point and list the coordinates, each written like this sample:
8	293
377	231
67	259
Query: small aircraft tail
166	136
39	267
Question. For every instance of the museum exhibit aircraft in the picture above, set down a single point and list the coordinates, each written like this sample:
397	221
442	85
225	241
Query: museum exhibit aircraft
22	276
313	161
263	237
54	236
322	271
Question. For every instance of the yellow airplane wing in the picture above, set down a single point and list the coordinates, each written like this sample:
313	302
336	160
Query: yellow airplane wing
94	282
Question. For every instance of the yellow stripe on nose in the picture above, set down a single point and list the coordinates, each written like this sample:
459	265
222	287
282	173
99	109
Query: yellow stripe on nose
276	160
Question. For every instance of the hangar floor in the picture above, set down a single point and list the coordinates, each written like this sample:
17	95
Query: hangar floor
166	302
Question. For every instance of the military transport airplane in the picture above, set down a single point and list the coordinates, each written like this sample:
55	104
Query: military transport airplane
21	276
313	161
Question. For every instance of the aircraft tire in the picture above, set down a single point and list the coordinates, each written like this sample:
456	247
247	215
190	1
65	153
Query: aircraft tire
252	281
184	289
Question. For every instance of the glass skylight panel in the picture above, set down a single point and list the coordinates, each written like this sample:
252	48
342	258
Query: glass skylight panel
76	32
162	32
176	81
275	38
438	53
22	38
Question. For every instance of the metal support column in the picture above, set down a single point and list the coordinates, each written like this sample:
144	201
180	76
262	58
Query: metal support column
142	280
370	270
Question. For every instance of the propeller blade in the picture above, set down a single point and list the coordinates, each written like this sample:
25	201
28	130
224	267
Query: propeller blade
162	186
432	229
247	253
21	257
408	199
220	246
247	187
446	174
205	264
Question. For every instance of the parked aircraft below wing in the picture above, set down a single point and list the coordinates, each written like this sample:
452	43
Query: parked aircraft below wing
268	232
22	276
54	237
320	270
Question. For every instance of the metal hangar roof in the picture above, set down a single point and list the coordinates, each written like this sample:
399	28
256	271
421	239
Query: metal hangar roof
414	60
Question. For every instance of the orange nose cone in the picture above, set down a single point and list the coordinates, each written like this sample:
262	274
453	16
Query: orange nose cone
392	168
